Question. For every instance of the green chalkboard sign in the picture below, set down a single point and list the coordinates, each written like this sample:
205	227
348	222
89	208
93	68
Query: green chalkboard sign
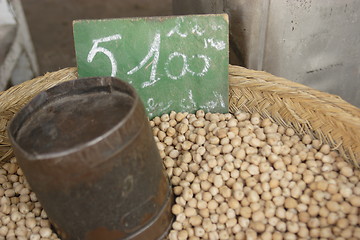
175	63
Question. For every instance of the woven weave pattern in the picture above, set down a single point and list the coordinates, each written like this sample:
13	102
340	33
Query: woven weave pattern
322	115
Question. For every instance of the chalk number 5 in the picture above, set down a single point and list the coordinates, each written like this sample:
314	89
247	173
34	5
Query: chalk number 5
96	49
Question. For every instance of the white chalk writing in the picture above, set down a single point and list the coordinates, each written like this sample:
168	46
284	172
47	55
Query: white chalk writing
182	63
188	104
218	45
155	53
216	27
210	105
96	49
176	29
205	68
186	67
152	106
198	30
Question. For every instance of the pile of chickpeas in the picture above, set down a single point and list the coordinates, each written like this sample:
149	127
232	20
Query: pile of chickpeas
242	177
21	215
234	176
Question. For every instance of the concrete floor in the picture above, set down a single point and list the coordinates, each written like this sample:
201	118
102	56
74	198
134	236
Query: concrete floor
50	23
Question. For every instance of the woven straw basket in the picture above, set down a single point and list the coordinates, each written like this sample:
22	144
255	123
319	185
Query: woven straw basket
324	116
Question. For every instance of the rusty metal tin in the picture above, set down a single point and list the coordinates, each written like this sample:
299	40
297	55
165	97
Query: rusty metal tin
87	150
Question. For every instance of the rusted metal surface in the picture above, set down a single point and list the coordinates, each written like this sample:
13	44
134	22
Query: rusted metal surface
87	150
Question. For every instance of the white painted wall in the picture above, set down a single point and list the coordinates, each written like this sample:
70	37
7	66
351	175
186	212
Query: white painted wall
17	56
6	16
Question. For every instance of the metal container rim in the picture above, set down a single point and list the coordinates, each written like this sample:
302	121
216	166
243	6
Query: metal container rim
40	100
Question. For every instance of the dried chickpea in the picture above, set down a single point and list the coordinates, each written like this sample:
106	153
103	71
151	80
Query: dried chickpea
234	176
